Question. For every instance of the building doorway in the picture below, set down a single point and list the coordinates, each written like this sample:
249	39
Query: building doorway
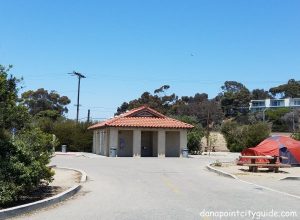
149	144
125	145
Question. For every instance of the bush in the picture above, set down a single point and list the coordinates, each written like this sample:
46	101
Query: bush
74	135
23	164
254	134
276	117
296	136
194	140
23	161
239	137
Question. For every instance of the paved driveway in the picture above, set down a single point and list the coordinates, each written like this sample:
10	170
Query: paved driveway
153	188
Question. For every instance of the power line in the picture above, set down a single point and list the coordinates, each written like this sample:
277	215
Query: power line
99	107
117	77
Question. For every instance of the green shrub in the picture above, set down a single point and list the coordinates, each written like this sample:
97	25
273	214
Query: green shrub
239	137
74	135
254	134
194	140
275	116
296	136
23	164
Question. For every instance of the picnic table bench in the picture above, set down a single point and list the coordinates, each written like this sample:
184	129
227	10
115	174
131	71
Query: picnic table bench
272	164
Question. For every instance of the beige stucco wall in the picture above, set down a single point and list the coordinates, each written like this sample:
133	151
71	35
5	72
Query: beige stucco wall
94	142
172	144
165	142
113	139
161	142
100	141
136	142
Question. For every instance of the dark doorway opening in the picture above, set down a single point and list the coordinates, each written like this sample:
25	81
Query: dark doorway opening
147	144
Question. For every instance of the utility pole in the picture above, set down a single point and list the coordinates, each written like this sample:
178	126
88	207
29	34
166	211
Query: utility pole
208	131
88	117
79	75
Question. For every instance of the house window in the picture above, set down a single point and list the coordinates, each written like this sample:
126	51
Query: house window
297	102
258	104
277	103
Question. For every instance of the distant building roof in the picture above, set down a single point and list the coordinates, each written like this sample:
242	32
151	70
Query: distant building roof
144	117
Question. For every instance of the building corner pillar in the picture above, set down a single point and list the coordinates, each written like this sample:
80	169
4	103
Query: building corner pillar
113	139
183	141
136	142
161	143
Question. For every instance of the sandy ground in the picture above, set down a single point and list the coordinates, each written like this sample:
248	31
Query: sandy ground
65	179
288	134
219	142
265	178
242	172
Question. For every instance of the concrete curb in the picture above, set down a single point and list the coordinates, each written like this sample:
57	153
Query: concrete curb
83	174
67	154
22	209
220	172
291	178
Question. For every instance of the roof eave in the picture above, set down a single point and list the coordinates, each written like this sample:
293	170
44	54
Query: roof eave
132	126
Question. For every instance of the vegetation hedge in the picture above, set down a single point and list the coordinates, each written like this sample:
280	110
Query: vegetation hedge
75	135
23	165
239	137
296	135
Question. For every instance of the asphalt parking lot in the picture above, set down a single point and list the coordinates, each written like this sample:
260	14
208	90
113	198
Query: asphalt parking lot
159	188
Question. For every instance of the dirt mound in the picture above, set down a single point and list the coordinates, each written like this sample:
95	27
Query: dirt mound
218	141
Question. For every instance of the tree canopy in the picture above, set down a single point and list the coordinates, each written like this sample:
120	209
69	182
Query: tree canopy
232	102
159	101
12	115
235	98
258	94
197	106
24	156
45	104
291	89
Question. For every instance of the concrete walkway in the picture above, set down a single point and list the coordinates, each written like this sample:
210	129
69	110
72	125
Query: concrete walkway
158	188
65	179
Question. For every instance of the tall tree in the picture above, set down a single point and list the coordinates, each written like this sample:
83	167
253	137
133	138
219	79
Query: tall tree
12	115
289	90
23	157
161	89
159	101
45	104
199	106
260	94
235	98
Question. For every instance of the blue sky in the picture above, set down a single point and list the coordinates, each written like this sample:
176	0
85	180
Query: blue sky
128	47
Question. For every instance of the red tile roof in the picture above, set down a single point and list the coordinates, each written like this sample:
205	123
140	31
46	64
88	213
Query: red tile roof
144	117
